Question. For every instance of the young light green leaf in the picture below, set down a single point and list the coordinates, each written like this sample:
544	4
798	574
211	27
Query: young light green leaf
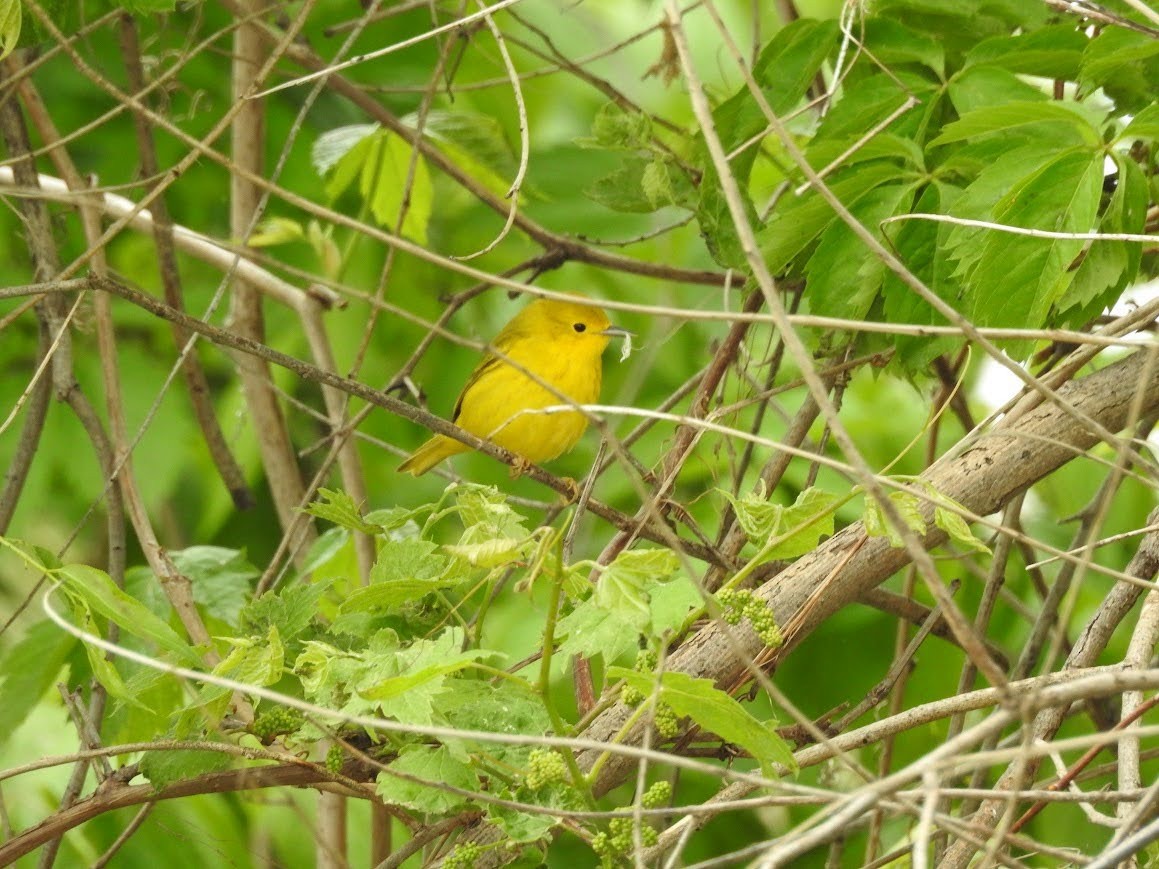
339	508
333	145
290	609
795	530
908	506
274	231
716	712
621	584
254	660
384	183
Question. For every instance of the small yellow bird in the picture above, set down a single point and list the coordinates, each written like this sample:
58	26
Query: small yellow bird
561	344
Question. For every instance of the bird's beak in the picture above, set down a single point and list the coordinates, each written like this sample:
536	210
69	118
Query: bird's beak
617	332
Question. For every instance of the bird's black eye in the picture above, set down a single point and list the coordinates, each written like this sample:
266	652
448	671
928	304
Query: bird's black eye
580	327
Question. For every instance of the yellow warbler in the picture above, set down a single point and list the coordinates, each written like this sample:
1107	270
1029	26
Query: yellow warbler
561	344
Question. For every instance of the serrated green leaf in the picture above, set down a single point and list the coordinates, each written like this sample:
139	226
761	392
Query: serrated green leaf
339	508
97	590
1067	120
868	102
621	585
1110	266
493	552
958	529
613	127
716	712
795	530
487	508
290	609
524	827
670	607
784	70
29	669
222	578
104	670
408	558
1018	278
798	222
844	276
433	764
257	660
476	142
326	548
384	183
591	630
1054	51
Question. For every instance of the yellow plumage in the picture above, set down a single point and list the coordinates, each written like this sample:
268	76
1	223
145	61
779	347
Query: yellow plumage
561	344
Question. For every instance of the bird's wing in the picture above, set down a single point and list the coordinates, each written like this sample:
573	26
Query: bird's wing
489	364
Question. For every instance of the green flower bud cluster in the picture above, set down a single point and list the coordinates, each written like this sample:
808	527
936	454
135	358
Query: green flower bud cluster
544	766
462	856
617	840
276	722
334	758
741	603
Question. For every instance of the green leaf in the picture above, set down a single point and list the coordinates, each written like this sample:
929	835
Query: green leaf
1067	120
333	145
1110	266
257	660
591	630
669	608
615	128
1125	64
164	768
524	826
222	578
433	766
1144	125
475	141
1018	278
892	43
980	87
384	182
408	558
918	245
29	669
798	222
717	227
97	590
1054	51
844	276
795	530
326	549
868	102
909	508
10	20
290	609
274	231
622	583
486	507
339	508
104	670
491	552
716	712
381	162
784	70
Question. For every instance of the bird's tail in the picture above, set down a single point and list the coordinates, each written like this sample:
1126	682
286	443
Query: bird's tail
431	453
